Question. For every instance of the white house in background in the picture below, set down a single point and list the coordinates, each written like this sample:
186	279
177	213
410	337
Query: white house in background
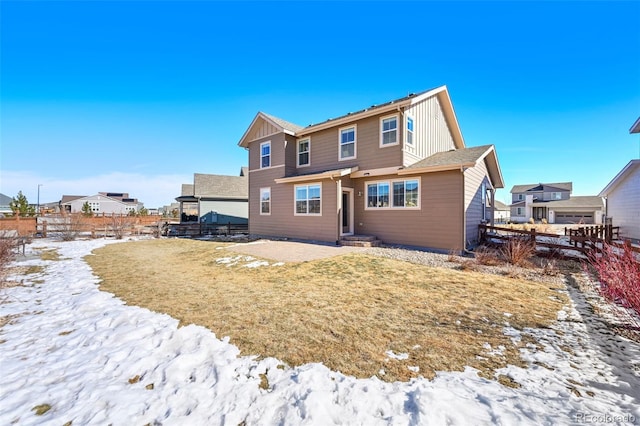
622	197
102	202
554	203
502	212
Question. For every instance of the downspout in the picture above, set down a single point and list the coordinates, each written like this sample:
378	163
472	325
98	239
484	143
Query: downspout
464	216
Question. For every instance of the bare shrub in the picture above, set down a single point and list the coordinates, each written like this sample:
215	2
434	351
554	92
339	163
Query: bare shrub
119	225
70	226
518	251
618	271
7	254
487	256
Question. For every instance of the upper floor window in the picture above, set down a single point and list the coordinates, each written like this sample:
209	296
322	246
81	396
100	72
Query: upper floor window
389	131
308	199
347	143
409	130
520	197
265	154
265	201
304	146
556	195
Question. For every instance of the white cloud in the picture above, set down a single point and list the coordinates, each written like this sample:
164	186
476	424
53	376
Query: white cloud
153	190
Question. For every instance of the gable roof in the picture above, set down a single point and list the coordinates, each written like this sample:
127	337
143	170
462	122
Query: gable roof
69	198
536	187
636	127
293	129
460	158
99	195
220	186
632	167
5	200
186	190
499	205
578	201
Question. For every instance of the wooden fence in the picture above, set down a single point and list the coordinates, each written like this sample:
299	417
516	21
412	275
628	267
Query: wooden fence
203	229
577	243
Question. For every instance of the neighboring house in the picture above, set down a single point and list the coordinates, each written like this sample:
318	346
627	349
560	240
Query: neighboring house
622	196
102	202
399	171
553	202
502	212
5	202
217	199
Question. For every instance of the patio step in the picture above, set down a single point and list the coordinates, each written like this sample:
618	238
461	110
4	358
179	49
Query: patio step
360	241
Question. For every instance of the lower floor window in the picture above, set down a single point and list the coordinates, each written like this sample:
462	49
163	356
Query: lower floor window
400	193
265	200
308	199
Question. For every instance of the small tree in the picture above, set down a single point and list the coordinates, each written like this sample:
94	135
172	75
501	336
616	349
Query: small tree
86	209
143	212
20	206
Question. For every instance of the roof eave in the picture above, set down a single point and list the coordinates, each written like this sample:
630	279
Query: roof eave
318	176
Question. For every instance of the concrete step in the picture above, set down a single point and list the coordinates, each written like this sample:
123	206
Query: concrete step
360	241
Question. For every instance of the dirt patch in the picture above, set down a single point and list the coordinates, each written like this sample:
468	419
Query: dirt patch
291	251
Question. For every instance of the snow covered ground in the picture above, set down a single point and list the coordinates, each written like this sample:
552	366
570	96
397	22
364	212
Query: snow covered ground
94	360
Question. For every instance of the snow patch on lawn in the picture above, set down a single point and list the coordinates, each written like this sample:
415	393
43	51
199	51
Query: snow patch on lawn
95	360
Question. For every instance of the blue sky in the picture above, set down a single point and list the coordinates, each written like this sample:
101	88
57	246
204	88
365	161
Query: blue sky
137	96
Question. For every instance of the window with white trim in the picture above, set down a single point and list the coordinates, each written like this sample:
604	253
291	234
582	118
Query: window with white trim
378	194
304	147
347	141
519	211
520	197
405	193
401	193
265	201
308	199
556	195
409	130
389	130
265	154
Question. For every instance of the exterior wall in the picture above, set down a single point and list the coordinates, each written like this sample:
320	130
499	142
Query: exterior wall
431	131
282	222
278	146
623	206
473	206
564	195
238	209
369	154
436	224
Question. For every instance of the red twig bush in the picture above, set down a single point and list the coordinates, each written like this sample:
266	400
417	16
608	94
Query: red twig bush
618	270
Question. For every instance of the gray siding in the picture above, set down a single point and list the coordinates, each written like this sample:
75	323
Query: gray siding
473	179
431	131
623	205
227	208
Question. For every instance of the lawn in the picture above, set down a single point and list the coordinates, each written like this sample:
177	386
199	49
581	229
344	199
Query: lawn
358	314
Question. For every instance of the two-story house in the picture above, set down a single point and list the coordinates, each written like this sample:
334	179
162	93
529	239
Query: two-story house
399	171
554	203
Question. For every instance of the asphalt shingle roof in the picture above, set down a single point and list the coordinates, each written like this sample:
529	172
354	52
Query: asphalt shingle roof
453	157
579	201
283	123
567	186
220	186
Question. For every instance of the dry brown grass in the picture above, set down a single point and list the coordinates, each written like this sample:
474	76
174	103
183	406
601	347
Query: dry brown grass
345	312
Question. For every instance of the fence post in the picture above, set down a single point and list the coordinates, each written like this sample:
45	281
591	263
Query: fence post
533	237
44	229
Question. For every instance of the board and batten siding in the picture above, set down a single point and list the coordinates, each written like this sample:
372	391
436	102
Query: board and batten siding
261	130
623	205
473	179
436	224
431	131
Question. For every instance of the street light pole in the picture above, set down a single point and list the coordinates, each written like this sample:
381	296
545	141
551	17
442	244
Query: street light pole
38	210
